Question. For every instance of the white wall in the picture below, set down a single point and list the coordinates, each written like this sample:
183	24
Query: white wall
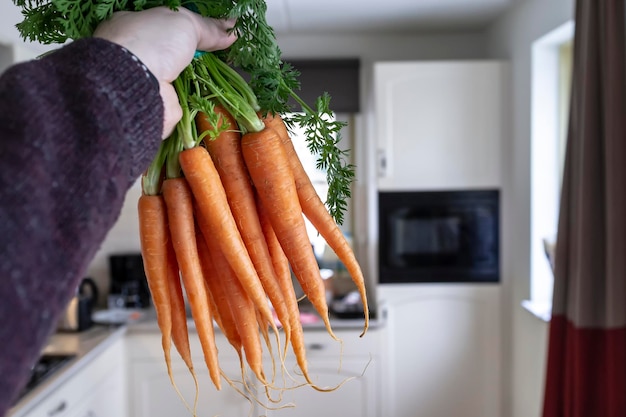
6	57
13	48
10	15
511	38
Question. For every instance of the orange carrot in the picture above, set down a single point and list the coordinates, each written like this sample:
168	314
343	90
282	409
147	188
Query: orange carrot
242	308
272	176
281	265
315	210
180	331
179	202
154	235
225	150
218	294
211	201
279	260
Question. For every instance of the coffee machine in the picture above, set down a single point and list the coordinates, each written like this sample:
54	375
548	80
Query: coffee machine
129	287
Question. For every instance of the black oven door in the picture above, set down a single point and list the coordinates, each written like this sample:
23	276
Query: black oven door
449	236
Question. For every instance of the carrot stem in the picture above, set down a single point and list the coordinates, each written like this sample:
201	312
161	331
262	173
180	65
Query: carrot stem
229	89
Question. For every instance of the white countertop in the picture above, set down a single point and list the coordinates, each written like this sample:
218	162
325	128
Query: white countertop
310	321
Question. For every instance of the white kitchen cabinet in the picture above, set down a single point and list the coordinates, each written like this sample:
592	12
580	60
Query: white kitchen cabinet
439	125
443	350
98	389
356	369
153	396
108	398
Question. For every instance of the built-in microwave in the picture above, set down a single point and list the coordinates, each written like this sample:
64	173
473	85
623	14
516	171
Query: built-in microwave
439	236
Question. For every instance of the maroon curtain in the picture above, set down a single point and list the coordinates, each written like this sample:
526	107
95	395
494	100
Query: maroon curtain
586	370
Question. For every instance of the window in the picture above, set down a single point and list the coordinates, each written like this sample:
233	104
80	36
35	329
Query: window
551	79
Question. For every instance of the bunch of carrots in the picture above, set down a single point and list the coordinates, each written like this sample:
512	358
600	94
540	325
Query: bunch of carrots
221	215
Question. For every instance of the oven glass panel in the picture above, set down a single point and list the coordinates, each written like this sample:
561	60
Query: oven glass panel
439	236
414	236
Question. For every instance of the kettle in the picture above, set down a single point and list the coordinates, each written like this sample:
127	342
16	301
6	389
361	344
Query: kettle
77	314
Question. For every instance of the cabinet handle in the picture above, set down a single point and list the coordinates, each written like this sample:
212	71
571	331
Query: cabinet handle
58	409
382	163
316	346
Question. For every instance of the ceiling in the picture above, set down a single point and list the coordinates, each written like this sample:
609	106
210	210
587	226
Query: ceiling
383	16
344	17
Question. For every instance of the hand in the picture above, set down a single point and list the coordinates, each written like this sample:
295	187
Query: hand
165	41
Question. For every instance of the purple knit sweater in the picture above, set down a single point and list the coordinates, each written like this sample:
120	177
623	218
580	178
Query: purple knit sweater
77	128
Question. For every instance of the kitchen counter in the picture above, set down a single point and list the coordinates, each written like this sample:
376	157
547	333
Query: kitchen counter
83	346
87	345
309	319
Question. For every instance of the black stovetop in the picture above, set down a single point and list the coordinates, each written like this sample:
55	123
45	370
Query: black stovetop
47	365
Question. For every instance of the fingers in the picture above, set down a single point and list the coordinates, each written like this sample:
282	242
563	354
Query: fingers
172	112
213	34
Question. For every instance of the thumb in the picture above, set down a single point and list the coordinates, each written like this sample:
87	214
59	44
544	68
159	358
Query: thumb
214	34
172	112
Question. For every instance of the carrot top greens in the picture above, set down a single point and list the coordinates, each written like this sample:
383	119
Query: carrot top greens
271	84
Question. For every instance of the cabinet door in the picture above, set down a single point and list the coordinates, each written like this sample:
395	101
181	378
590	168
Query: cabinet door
106	399
353	368
443	354
439	124
152	394
97	389
354	397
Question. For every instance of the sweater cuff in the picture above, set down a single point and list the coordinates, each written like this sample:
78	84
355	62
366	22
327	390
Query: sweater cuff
143	67
129	90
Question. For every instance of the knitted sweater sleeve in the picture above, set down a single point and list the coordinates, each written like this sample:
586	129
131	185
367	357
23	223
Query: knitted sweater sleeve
77	128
